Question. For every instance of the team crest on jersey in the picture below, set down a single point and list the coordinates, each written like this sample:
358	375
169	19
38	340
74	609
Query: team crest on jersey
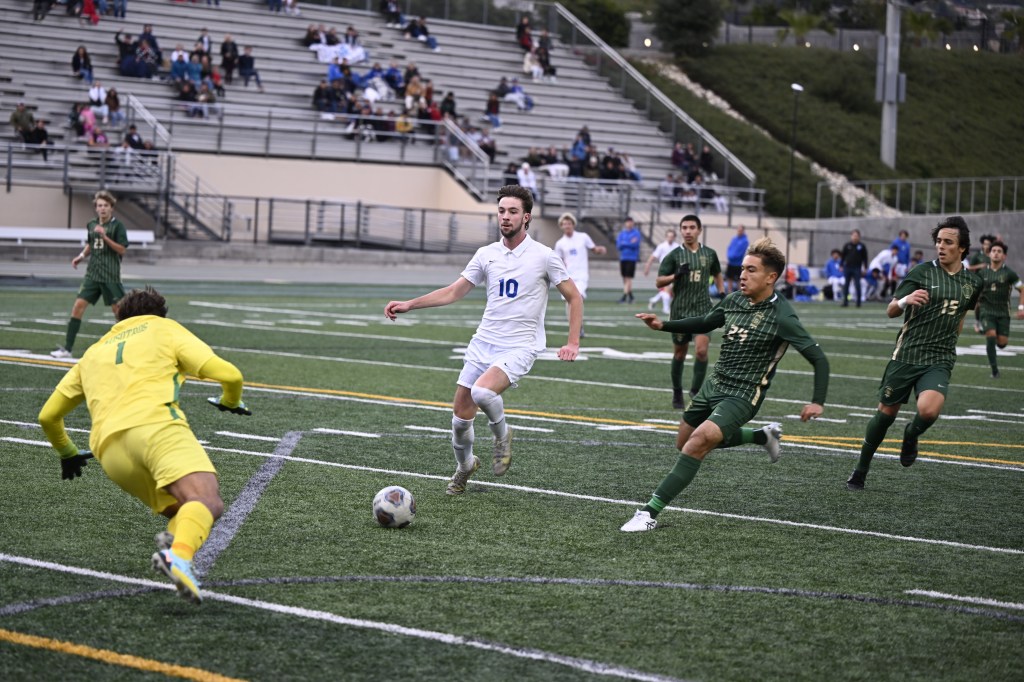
968	290
888	392
756	320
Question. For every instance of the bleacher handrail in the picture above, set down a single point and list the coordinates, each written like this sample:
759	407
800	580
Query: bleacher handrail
922	196
657	94
139	111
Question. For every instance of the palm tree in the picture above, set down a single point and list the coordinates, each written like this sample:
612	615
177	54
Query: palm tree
800	24
921	25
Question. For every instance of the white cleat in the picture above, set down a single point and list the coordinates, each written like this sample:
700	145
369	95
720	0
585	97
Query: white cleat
640	522
774	433
61	352
502	454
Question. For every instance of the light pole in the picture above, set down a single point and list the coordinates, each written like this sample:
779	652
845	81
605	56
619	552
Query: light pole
797	89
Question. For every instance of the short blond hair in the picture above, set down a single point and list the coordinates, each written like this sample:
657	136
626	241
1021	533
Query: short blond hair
772	259
567	216
106	196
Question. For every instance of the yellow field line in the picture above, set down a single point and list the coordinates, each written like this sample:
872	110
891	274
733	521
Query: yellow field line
114	658
826	440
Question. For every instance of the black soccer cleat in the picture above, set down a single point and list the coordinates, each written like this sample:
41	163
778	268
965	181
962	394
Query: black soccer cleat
908	451
995	373
677	399
856	480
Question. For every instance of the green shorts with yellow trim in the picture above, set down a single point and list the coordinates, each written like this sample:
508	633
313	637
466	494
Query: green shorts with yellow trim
728	412
1001	323
146	459
900	379
91	290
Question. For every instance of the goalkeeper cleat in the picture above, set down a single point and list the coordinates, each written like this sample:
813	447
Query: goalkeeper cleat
241	409
163	539
457	485
180	572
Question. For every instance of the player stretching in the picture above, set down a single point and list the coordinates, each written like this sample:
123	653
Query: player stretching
130	380
994	304
517	272
759	326
933	298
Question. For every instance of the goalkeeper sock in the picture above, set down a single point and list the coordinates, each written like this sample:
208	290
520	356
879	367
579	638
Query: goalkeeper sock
194	522
172	524
462	441
74	324
677	374
873	437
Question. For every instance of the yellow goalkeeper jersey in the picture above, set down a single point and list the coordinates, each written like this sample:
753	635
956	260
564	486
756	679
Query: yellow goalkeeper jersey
132	376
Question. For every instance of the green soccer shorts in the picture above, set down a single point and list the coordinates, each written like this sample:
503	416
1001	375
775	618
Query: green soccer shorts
1001	323
91	291
900	379
728	412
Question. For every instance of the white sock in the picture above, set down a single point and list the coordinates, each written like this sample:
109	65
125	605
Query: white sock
494	407
462	442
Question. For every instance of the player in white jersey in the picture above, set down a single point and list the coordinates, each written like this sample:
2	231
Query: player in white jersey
660	251
574	249
517	272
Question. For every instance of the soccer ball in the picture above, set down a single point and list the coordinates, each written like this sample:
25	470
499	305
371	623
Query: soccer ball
394	507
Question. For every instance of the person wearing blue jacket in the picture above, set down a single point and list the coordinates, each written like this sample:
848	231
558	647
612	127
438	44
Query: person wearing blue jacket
734	259
628	244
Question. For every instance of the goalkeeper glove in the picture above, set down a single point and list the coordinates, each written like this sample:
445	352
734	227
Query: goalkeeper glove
241	409
71	467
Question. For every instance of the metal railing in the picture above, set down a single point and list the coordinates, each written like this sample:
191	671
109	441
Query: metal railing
939	196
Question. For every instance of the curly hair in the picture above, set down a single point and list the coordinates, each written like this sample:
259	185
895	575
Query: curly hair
138	302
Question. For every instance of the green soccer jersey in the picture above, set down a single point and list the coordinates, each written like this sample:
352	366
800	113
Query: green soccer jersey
929	332
754	339
996	287
978	258
690	293
104	264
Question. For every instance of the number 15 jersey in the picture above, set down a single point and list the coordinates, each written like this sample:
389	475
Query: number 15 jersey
929	332
517	291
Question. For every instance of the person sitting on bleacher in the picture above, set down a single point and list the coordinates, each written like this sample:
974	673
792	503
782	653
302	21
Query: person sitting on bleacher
150	39
418	29
187	94
392	13
324	99
114	107
98	138
179	70
414	93
543	56
40	136
23	121
524	36
518	96
531	65
81	64
393	77
312	37
551	162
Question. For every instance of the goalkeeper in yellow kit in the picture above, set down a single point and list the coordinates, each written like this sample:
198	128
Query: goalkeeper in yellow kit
130	380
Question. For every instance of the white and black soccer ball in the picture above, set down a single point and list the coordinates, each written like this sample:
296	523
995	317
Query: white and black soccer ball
394	507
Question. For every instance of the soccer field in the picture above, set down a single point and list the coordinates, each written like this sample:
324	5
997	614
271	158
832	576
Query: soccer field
758	571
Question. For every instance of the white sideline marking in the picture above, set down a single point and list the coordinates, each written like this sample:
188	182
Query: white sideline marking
583	664
969	600
35	425
247	436
25	441
817	419
520	427
932	460
998	414
431	429
340	432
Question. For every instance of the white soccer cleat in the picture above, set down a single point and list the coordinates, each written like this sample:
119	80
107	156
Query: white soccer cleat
61	352
774	433
460	479
640	522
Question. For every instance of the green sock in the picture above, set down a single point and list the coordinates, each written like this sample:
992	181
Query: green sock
990	349
917	426
677	374
700	370
878	426
744	436
74	324
680	477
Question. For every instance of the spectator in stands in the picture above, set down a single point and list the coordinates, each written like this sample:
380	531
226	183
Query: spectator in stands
119	8
313	36
114	107
418	29
40	8
228	57
125	45
677	155
188	95
98	138
517	95
247	68
592	168
147	59
274	6
405	128
204	40
98	101
414	94
528	179
667	191
133	139
81	64
488	146
543	56
392	14
150	39
195	69
291	7
531	65
40	136
179	70
629	169
833	273
178	53
448	106
545	40
206	101
524	34
492	111
609	170
89	12
351	37
511	174
706	162
324	100
552	162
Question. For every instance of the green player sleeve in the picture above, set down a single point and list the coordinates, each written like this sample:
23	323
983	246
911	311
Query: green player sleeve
700	324
668	265
794	333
